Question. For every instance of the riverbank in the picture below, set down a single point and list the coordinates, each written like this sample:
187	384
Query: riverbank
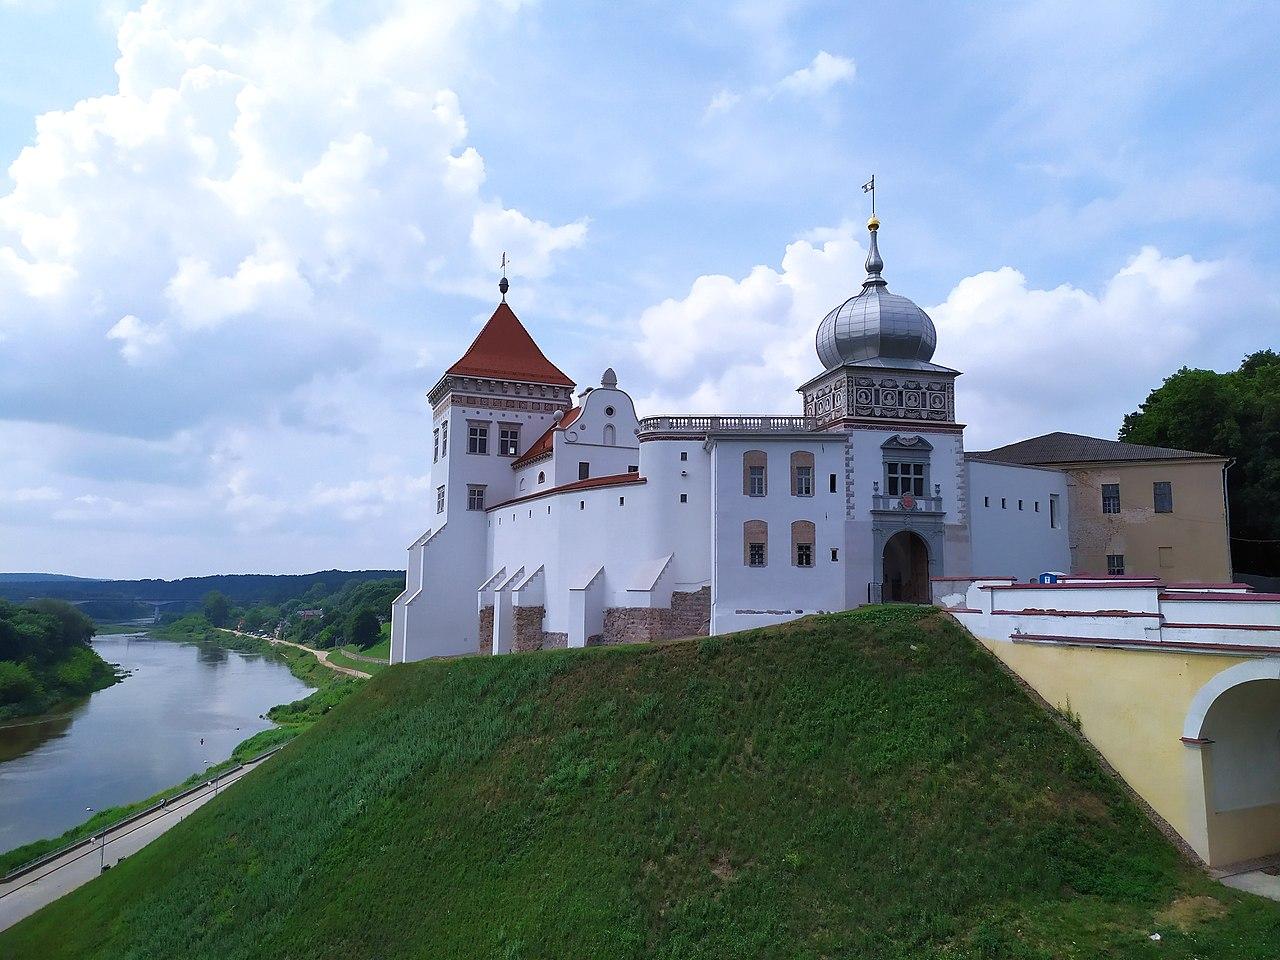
328	689
53	687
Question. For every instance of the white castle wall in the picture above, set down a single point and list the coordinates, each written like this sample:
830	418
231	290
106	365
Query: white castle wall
744	596
1007	539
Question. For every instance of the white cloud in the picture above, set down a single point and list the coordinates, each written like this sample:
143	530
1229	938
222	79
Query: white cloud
1034	360
139	341
823	73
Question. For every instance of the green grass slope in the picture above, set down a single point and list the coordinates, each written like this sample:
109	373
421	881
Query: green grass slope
856	785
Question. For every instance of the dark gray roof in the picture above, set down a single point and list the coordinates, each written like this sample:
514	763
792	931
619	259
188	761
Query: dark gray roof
1075	448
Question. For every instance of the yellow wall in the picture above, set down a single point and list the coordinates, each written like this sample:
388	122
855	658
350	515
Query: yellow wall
1196	531
1132	705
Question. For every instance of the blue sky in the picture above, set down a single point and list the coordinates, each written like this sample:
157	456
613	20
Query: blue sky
238	245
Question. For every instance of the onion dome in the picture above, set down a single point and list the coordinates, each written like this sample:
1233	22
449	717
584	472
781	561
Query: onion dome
876	324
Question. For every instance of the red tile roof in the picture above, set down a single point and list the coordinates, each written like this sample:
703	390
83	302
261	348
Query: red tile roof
542	446
613	480
503	350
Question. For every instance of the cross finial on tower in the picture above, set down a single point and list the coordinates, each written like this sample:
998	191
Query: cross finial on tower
503	285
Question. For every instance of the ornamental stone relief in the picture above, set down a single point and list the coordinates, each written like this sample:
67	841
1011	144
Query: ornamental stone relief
896	398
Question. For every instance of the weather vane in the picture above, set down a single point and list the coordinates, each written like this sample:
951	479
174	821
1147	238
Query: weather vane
870	187
503	285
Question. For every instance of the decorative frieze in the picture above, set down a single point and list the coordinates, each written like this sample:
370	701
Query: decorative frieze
893	395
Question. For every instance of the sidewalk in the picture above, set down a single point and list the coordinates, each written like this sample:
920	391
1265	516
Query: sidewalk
25	894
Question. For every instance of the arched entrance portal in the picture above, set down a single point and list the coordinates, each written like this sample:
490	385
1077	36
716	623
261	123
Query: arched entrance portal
905	577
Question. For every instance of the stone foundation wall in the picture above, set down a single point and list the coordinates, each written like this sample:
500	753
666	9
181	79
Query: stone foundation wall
691	613
555	641
528	629
634	624
486	629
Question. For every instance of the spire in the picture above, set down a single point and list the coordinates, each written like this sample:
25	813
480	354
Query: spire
503	285
874	263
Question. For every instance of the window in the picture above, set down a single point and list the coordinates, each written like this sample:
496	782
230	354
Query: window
833	483
1165	555
802	538
444	439
1111	498
610	436
986	501
802	474
439	499
620	501
608	411
633	468
542	476
835	555
904	478
684	498
1037	506
684	454
755	482
1053	511
475	497
1019	504
755	543
1162	491
478	438
584	470
1115	564
435	444
1004	503
582	504
508	440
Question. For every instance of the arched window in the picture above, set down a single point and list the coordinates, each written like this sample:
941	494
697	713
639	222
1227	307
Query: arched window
609	436
542	477
755	543
803	533
755	479
523	482
801	473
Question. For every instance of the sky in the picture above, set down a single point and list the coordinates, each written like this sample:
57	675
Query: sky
239	242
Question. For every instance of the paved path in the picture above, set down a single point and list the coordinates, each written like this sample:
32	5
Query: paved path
321	655
26	894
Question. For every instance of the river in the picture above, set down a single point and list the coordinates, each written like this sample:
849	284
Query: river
137	737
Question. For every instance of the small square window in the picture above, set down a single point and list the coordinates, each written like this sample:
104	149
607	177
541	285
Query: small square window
684	454
633	469
1019	504
584	470
986	501
475	498
835	555
1115	564
684	498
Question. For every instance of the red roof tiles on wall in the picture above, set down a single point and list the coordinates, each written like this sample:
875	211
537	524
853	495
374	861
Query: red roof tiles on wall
503	350
542	446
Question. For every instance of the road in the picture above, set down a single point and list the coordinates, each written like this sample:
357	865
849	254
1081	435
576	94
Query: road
321	655
25	895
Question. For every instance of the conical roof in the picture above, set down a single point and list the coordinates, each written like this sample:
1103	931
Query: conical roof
503	350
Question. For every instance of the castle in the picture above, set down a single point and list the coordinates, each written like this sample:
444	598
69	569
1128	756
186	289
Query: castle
561	523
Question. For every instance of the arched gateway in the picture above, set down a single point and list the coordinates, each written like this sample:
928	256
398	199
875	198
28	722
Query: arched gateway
905	574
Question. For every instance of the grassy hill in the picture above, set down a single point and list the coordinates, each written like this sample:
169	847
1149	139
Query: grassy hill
856	785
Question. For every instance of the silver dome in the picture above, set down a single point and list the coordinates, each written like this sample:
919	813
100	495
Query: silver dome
875	323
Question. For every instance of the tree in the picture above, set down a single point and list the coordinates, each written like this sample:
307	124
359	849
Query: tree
364	628
1237	415
73	626
216	608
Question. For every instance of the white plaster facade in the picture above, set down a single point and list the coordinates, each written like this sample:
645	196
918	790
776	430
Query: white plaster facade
607	525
